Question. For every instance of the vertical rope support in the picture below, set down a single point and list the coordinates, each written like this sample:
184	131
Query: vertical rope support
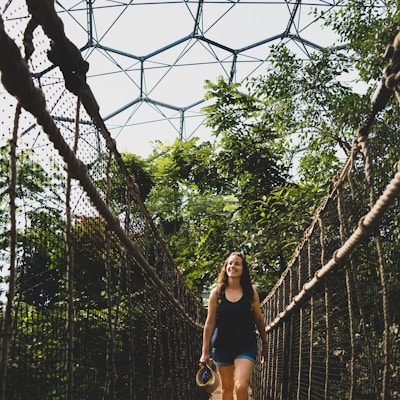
365	327
343	237
382	272
287	344
385	306
126	268
269	372
284	344
298	396
274	352
310	368
268	362
128	275
159	335
7	321
70	266
354	272
327	312
111	372
289	385
328	341
149	342
131	355
271	351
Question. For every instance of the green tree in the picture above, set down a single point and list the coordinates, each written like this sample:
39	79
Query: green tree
107	173
38	195
189	204
201	202
280	139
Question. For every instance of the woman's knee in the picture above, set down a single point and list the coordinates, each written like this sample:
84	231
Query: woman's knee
241	388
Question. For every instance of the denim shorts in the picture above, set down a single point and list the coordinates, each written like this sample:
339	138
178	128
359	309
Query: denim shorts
223	358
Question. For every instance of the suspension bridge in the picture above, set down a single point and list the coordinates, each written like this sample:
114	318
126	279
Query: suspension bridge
95	306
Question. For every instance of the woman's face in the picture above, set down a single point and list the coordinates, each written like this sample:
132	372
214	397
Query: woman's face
234	266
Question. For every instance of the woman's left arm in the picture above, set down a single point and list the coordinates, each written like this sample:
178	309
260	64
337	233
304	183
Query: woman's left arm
260	323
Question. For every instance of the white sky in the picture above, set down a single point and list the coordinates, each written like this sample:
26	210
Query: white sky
133	79
176	76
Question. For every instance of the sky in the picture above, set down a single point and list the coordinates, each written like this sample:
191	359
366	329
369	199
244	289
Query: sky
149	60
149	82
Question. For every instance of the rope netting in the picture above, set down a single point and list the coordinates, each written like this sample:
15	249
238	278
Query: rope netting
333	317
95	307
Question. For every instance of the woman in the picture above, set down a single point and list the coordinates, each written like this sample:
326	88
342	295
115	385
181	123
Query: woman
233	313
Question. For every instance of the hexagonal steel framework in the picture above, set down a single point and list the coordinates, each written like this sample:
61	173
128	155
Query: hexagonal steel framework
149	60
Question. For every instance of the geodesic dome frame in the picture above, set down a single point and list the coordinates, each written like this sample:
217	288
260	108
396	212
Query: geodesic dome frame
148	61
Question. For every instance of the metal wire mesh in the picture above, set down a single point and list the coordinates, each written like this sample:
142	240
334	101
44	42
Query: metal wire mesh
98	308
341	339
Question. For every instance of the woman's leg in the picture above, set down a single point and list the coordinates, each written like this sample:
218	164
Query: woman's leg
226	375
243	368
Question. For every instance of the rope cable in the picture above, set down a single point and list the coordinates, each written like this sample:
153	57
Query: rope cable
327	310
343	236
32	99
110	365
70	264
382	273
8	319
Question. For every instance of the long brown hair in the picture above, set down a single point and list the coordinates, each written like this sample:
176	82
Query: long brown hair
245	280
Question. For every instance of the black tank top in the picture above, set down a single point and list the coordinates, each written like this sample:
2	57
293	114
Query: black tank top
235	326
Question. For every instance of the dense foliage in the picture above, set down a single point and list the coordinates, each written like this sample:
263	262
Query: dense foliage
279	139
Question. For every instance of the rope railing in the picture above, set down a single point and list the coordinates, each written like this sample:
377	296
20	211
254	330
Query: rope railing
367	225
113	285
33	100
336	348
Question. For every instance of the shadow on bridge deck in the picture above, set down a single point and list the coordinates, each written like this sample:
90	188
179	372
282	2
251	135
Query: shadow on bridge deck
217	395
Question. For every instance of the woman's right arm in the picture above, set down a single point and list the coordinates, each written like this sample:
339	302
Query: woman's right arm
209	327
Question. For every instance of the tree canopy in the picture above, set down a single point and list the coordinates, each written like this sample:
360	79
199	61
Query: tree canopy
279	139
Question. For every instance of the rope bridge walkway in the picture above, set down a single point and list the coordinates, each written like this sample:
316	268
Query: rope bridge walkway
95	307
